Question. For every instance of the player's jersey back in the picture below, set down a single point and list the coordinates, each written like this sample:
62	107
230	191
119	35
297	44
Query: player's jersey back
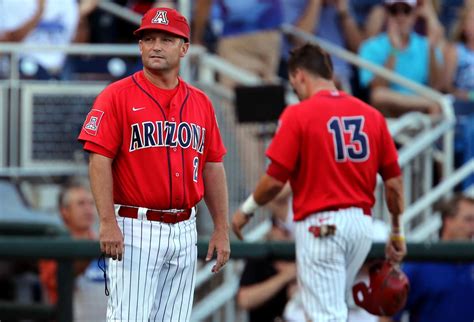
334	145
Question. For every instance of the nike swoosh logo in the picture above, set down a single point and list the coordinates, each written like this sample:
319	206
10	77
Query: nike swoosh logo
137	108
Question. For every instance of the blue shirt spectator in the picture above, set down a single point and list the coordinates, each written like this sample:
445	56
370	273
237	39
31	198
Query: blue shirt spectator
459	67
440	292
329	20
250	37
449	12
242	16
362	8
403	51
464	77
332	31
412	62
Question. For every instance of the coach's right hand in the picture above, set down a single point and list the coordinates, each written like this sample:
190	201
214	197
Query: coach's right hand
111	239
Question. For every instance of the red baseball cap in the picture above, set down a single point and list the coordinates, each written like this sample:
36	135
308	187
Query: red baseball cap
165	19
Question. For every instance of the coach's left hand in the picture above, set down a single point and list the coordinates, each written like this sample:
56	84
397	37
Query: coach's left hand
220	243
239	220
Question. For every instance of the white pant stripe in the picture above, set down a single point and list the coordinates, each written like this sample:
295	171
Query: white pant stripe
191	286
130	273
147	285
147	269
174	279
123	279
152	285
180	302
157	304
139	271
168	279
327	266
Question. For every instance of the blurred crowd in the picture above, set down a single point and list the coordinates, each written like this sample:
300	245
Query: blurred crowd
430	42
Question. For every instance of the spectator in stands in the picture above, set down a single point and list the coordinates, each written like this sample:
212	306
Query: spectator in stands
407	53
426	19
57	26
441	292
266	285
250	38
459	66
331	20
17	20
77	210
362	10
251	41
449	12
86	7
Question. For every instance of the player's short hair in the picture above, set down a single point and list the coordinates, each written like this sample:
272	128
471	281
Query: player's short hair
450	208
312	58
64	193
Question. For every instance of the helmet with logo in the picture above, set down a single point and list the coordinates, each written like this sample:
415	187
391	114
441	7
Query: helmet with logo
387	291
165	19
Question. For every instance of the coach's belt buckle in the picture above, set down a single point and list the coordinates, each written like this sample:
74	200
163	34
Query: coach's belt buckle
173	211
323	230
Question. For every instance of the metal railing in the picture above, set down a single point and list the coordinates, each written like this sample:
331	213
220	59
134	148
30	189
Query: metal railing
66	250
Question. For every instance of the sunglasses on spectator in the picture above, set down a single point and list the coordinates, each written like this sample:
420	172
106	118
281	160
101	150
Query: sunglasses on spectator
396	9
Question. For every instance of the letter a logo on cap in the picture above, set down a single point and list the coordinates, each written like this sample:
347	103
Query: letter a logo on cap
160	18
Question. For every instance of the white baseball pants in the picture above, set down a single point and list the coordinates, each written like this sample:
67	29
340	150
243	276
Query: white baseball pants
327	266
156	277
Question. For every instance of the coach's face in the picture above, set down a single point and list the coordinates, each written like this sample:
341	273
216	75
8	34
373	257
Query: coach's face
161	51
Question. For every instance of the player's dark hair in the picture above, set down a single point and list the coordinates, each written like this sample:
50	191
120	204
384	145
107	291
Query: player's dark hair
450	208
312	58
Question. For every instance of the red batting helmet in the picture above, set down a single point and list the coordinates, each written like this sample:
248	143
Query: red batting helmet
387	292
165	19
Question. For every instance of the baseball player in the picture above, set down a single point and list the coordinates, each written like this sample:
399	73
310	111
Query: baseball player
155	151
330	147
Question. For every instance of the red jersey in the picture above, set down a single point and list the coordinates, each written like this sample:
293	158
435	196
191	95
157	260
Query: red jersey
333	145
159	143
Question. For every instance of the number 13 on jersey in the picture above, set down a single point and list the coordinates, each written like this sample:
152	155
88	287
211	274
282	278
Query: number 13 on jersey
356	148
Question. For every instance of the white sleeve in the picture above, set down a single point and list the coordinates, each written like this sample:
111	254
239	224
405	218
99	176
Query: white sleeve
15	13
